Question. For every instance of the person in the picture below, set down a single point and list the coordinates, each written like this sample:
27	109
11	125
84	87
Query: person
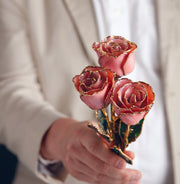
43	121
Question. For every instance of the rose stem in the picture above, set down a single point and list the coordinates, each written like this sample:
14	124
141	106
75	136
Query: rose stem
126	135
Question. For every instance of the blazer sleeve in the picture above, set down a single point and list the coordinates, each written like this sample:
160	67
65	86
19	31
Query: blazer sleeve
25	115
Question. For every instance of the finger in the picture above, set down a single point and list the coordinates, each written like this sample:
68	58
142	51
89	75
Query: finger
94	164
122	176
75	165
130	175
130	154
125	176
83	172
96	147
81	176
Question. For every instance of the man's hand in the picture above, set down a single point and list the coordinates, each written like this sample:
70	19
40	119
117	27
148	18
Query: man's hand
84	154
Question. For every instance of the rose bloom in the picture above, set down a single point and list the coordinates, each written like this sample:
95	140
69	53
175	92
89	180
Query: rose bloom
116	53
132	100
95	85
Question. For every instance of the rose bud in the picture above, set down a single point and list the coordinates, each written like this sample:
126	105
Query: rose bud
132	100
116	53
95	85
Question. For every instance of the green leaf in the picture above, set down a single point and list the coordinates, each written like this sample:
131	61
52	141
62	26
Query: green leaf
135	131
119	152
106	137
103	121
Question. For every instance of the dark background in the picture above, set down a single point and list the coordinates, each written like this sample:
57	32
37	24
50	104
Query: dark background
8	164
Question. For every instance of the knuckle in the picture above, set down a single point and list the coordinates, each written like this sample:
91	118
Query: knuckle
98	177
112	161
81	131
94	144
118	163
68	160
136	176
104	168
124	176
69	147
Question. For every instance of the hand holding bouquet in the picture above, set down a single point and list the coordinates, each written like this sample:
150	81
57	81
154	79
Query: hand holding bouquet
100	86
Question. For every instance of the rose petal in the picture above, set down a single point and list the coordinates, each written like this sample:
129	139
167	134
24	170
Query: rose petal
116	53
113	63
110	86
150	93
129	64
132	100
118	85
132	119
76	81
95	84
138	94
95	101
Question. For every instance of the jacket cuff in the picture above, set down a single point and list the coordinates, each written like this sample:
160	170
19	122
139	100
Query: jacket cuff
32	133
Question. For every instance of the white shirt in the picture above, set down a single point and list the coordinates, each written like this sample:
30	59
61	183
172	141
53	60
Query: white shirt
136	21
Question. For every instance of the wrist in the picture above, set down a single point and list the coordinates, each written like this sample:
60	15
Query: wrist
53	139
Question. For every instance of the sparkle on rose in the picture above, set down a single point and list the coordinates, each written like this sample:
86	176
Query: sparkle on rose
116	53
132	100
95	85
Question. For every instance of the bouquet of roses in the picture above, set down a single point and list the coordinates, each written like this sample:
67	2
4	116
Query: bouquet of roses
101	86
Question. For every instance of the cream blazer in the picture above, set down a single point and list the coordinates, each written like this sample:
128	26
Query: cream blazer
43	44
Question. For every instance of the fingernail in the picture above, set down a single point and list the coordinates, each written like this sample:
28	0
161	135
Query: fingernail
137	176
119	164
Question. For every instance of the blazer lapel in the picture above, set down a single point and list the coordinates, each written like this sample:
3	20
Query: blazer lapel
82	14
169	34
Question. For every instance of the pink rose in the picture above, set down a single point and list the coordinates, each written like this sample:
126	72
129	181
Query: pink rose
132	100
116	53
95	85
